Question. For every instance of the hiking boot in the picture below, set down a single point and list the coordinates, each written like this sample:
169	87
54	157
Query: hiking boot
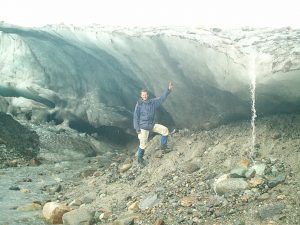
165	148
141	162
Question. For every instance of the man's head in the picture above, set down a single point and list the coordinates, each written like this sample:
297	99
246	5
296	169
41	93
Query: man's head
144	94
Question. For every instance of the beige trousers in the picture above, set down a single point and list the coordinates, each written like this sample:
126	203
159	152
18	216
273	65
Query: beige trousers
144	134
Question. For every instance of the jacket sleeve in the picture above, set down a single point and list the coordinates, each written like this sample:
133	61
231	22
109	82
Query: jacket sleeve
136	117
159	100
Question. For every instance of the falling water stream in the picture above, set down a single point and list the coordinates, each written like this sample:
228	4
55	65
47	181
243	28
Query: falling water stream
252	74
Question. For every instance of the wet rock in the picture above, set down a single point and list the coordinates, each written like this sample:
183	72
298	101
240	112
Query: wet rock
80	216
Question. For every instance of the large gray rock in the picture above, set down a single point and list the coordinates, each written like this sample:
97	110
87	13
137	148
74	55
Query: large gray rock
91	76
230	185
79	216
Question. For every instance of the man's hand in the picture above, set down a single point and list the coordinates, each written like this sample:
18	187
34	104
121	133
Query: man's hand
170	86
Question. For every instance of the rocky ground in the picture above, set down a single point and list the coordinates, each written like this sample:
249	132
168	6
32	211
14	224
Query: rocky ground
209	177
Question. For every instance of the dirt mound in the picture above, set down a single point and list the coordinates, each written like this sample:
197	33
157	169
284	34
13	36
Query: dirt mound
16	141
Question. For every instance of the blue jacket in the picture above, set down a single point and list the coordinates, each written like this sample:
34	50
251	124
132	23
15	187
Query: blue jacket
144	112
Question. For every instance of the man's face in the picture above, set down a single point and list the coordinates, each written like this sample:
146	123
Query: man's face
144	95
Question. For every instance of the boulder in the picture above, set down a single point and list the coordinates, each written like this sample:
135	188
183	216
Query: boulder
53	212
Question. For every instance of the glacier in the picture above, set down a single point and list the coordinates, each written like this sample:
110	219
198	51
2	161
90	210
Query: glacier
91	76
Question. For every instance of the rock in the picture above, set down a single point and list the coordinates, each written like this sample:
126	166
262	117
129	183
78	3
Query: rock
134	207
190	167
159	222
250	173
80	216
26	180
281	197
263	197
239	223
149	202
260	169
25	190
271	210
53	212
254	182
127	219
29	207
276	136
55	189
238	172
12	163
230	185
105	215
158	154
87	173
275	181
188	201
125	167
244	163
14	188
35	162
88	198
75	202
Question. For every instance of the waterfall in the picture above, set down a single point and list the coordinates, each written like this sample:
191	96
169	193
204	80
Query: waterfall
252	74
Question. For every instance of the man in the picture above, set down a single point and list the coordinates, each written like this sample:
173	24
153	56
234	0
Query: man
143	121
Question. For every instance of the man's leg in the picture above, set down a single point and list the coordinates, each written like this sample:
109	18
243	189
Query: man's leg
143	137
164	131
